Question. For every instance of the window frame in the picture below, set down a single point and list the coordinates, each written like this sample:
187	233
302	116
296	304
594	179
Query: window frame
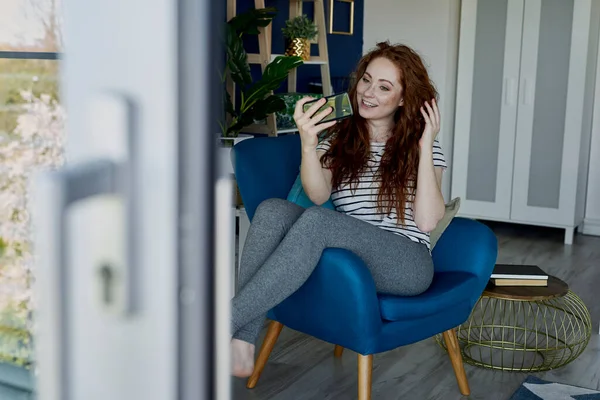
30	55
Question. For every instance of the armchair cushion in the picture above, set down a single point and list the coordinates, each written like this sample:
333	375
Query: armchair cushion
446	290
400	333
298	196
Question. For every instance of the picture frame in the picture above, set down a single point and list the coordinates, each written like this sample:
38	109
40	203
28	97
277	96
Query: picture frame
331	7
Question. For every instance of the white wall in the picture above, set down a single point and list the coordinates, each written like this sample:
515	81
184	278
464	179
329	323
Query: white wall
591	223
431	28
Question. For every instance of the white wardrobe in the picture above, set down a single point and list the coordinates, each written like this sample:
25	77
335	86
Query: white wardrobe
525	87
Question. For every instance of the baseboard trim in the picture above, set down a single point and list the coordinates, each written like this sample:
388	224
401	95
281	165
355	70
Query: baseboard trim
591	226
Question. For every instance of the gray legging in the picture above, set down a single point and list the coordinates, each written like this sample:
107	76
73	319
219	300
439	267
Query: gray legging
284	245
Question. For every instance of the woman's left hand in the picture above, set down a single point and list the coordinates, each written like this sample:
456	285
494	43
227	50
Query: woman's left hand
431	113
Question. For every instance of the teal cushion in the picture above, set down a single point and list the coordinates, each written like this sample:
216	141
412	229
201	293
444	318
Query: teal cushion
298	196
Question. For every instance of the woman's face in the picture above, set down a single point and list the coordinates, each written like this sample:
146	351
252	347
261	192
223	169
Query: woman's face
379	93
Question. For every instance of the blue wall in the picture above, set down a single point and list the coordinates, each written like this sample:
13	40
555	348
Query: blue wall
344	50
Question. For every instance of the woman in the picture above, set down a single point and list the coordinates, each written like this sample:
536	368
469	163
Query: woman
383	170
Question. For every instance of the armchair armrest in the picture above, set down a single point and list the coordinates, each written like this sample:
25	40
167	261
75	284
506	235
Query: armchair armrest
467	246
337	304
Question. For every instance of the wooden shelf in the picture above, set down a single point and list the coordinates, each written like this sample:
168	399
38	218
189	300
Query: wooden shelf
313	60
290	130
264	128
264	57
254	58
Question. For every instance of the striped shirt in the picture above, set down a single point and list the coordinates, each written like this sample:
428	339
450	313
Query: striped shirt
361	202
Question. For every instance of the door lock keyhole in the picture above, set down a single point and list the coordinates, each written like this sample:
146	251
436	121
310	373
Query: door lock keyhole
108	281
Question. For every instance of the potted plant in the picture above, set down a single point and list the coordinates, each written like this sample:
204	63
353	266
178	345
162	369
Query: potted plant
256	98
299	32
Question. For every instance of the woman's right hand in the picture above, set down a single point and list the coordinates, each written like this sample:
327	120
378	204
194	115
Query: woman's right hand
307	122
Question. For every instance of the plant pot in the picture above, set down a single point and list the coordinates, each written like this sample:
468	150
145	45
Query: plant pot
226	144
226	162
298	47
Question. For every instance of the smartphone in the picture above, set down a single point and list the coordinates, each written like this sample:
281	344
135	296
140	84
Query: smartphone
342	107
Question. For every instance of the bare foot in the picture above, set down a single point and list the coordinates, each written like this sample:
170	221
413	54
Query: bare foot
242	358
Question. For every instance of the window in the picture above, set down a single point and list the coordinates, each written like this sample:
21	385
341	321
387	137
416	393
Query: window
31	138
31	26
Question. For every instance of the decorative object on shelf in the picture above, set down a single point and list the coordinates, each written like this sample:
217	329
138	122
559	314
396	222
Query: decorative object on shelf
256	98
285	117
224	153
299	31
351	30
527	329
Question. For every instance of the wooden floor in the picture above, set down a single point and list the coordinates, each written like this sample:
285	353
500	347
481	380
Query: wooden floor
302	367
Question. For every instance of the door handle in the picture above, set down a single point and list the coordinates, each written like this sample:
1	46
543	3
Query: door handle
113	180
526	96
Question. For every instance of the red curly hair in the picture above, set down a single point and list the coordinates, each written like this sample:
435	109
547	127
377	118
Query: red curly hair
350	142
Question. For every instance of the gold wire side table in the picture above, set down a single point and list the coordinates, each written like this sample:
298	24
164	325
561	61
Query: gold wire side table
525	328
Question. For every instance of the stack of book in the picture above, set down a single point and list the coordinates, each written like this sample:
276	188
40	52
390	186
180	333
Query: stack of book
518	275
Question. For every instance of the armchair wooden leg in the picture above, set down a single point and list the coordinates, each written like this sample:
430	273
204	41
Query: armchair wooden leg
265	351
365	370
457	361
338	351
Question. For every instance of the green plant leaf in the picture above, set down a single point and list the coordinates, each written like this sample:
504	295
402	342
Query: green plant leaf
244	120
237	59
275	73
229	104
267	106
300	27
259	111
3	246
249	21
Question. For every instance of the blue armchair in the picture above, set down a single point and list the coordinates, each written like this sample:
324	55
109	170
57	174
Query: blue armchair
339	303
